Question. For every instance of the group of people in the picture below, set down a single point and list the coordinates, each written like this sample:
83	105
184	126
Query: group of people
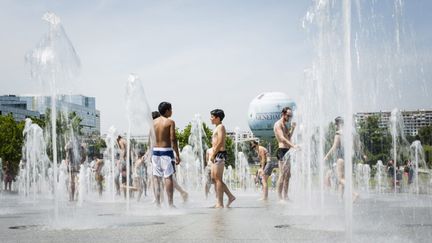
395	174
165	155
156	167
283	130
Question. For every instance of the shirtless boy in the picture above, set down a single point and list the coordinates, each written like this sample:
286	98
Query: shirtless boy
163	152
218	158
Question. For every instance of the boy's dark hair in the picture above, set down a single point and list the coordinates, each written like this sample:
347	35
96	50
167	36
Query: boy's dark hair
141	153
253	144
218	113
164	107
155	114
285	110
339	120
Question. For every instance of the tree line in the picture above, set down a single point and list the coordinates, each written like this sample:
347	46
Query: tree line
376	142
372	140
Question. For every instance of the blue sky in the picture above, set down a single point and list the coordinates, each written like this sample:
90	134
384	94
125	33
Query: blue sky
199	55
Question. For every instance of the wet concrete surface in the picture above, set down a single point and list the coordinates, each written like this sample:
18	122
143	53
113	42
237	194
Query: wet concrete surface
376	218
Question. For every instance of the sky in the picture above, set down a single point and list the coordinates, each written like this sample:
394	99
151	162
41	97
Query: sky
198	55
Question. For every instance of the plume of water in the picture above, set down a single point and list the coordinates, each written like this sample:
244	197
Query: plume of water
63	180
243	172
139	119
185	172
228	174
375	33
417	157
54	63
380	176
81	185
113	171
35	174
196	140
400	144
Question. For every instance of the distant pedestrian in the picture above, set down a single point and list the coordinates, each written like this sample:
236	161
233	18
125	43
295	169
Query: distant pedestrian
7	174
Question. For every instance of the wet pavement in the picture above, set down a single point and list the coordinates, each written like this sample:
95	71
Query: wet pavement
376	218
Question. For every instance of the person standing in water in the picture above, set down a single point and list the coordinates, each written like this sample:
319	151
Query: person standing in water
218	158
163	152
176	185
266	166
122	144
75	156
139	182
338	149
283	135
98	165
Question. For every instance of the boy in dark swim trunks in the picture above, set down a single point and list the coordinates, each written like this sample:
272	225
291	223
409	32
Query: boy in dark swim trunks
218	158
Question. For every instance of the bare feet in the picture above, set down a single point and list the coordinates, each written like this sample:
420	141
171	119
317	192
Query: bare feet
282	201
355	196
230	200
218	206
185	196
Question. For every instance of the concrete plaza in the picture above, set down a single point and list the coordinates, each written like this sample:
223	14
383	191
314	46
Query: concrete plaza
376	218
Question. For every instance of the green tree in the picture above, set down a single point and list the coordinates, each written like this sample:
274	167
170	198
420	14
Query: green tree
67	125
95	144
425	134
208	135
183	136
229	146
183	139
39	121
428	154
11	141
376	141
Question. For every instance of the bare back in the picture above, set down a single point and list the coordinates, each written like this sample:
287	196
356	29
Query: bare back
262	156
164	129
122	143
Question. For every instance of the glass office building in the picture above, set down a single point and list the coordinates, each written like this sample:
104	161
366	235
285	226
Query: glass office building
11	104
83	106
